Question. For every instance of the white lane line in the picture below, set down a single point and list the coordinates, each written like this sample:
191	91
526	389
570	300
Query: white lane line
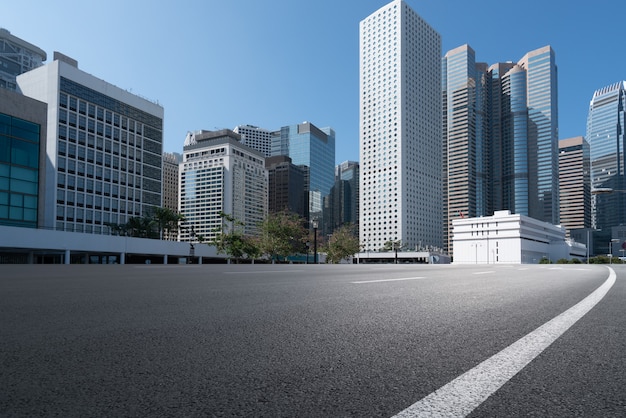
387	280
462	395
484	272
263	271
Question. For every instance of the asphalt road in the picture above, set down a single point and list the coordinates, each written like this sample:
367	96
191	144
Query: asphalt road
301	340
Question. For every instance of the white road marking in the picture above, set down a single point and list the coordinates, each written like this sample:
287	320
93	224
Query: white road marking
263	271
462	395
387	280
484	272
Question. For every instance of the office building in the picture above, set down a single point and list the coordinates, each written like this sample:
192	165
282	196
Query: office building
286	187
606	125
221	175
16	57
342	204
400	129
307	145
256	138
103	152
574	184
171	161
500	137
23	123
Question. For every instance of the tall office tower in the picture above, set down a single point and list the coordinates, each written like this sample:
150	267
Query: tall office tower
221	175
574	183
310	146
500	137
256	138
343	200
171	161
17	57
606	125
104	148
286	189
400	129
23	124
543	133
466	146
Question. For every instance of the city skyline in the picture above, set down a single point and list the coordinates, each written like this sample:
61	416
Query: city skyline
221	75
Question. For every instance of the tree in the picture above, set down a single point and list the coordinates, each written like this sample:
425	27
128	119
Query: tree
232	242
342	243
283	234
166	220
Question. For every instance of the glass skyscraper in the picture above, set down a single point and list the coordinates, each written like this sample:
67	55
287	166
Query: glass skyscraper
400	129
310	146
606	123
500	137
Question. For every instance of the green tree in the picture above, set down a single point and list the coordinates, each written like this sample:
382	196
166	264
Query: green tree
230	240
283	234
342	243
166	221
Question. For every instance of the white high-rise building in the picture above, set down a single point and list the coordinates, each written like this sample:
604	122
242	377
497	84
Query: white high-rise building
103	149
400	130
257	138
221	175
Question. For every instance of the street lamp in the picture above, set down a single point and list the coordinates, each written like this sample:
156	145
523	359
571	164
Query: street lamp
315	225
611	249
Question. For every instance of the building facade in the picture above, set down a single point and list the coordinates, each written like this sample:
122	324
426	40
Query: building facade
506	238
17	57
23	123
500	137
171	162
400	129
313	147
220	175
574	184
103	152
342	204
256	138
286	186
606	123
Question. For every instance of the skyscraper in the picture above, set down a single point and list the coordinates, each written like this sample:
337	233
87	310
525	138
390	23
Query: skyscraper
286	188
257	138
171	162
574	183
606	125
221	175
104	148
310	146
342	205
400	129
500	137
17	57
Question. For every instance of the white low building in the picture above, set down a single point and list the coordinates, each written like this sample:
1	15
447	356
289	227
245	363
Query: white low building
506	238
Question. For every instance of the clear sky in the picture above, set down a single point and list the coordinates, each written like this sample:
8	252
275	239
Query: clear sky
222	63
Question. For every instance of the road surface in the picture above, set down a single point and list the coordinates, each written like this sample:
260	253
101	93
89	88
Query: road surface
312	340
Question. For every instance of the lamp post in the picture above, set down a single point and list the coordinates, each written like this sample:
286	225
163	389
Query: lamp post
611	249
315	225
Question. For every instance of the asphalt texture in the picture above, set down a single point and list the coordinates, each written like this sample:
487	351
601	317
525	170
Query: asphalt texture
299	340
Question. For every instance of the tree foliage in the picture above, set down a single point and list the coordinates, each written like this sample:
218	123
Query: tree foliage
342	243
152	225
283	234
230	240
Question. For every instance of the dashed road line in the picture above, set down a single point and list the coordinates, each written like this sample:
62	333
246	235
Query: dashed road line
387	280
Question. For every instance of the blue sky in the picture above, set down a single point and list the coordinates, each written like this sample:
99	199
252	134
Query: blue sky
221	63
